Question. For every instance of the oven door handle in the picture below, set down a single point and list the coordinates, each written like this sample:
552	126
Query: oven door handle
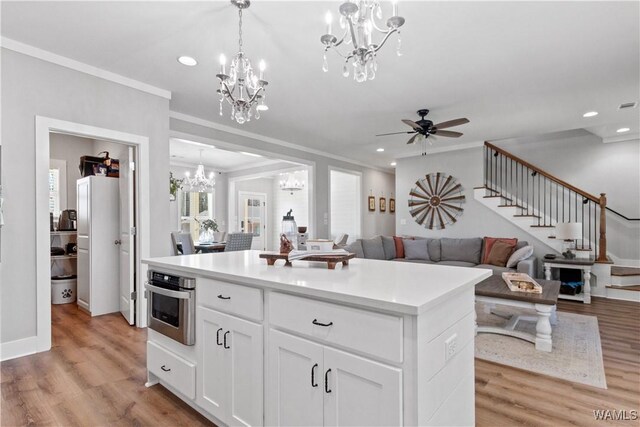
168	292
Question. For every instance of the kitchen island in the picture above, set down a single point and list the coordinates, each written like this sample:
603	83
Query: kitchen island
371	343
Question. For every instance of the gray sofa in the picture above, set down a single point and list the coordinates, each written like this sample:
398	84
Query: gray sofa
444	251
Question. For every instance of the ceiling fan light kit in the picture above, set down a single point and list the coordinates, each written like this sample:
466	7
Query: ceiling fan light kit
359	22
241	87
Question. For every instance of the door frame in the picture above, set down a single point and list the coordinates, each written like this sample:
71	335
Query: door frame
265	236
44	126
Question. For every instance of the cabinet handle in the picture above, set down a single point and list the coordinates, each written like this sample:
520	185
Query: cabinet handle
225	340
326	381
313	380
164	368
221	297
315	322
218	337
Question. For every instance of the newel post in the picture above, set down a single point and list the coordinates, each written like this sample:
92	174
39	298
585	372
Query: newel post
602	250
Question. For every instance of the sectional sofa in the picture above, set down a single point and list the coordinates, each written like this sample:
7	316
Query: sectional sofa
444	251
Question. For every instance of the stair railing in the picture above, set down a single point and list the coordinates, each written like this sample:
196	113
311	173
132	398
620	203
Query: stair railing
546	198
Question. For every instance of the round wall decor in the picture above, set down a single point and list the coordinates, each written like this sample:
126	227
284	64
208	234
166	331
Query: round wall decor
436	200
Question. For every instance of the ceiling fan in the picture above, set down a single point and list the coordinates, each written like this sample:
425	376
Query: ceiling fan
426	127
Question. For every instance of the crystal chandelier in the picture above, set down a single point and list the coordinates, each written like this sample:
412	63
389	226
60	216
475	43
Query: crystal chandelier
242	88
359	22
200	183
291	184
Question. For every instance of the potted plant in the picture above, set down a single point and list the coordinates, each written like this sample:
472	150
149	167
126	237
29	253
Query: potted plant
175	184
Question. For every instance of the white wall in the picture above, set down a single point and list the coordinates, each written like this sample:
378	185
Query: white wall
33	87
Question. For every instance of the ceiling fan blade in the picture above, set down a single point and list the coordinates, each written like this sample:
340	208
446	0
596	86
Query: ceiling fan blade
413	139
448	133
412	124
451	123
394	133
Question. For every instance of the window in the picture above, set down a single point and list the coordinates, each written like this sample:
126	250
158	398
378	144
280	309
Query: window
194	206
345	203
54	191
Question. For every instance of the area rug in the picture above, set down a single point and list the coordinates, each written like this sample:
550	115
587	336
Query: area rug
576	355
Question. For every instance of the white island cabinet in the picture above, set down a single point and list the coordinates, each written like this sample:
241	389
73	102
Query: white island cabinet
373	343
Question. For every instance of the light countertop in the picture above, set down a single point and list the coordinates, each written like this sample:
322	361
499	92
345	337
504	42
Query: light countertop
401	287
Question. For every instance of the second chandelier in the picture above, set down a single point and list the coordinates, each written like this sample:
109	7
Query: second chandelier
359	21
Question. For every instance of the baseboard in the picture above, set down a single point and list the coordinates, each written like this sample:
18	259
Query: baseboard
18	348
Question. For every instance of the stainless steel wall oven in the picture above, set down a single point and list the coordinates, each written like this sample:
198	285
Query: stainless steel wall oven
171	302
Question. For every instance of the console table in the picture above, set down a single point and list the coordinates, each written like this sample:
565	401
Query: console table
583	264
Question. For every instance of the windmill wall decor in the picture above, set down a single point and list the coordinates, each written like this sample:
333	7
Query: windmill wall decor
436	201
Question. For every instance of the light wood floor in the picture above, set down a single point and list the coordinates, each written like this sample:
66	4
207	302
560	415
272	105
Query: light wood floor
95	374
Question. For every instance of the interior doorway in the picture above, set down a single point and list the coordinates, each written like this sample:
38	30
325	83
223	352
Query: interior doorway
131	236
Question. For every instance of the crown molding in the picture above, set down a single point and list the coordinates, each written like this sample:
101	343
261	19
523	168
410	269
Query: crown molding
621	138
224	128
63	61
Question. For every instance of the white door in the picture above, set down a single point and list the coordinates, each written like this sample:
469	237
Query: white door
360	392
295	382
245	369
127	239
211	379
252	216
83	262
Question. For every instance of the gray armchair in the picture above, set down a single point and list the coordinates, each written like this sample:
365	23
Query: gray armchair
238	242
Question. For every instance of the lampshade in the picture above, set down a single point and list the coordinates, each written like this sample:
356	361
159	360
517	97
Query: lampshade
569	231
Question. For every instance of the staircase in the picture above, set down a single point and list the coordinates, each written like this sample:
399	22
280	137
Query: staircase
535	201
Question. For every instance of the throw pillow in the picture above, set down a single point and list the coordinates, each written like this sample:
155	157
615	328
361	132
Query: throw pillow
416	249
489	242
389	247
373	248
399	246
519	255
500	253
468	250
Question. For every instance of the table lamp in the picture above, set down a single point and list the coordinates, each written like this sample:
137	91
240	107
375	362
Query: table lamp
568	231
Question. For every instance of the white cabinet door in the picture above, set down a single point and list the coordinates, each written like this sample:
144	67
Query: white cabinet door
360	392
295	381
244	367
212	369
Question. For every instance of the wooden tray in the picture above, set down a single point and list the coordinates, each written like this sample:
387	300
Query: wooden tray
331	260
520	282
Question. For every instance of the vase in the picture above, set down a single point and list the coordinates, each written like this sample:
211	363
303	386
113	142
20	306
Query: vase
206	236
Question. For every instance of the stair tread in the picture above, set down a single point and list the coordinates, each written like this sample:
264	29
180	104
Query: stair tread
618	270
625	288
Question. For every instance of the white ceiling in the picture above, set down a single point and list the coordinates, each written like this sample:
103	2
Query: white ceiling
188	153
512	68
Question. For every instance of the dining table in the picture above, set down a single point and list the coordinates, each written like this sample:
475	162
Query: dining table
204	248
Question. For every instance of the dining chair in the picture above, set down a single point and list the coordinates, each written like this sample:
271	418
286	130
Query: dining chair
185	240
238	242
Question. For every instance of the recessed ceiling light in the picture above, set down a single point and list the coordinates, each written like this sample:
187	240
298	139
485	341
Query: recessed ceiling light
393	163
188	61
623	130
590	114
380	150
250	154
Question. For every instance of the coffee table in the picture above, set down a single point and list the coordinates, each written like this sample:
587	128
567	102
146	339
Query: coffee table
494	291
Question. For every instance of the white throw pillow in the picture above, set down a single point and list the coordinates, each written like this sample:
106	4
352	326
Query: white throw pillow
519	255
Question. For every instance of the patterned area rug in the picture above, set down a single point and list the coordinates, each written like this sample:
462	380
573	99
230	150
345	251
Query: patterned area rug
576	355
